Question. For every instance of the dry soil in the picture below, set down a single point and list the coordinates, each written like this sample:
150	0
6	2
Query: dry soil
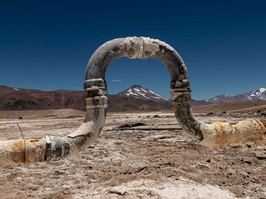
146	162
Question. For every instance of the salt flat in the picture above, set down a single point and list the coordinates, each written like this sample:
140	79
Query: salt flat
134	163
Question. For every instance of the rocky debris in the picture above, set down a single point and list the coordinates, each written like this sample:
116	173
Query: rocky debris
128	126
210	113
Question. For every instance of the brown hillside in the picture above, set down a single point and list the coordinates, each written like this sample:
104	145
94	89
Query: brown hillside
247	106
27	99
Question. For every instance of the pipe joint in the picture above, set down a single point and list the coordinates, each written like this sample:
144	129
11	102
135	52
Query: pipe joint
95	87
96	102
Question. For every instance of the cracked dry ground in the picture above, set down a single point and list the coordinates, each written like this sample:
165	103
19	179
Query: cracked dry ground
138	163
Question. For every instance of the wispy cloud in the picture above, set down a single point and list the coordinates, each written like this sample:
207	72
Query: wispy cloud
117	80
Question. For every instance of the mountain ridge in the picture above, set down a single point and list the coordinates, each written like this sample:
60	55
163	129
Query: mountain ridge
33	99
258	94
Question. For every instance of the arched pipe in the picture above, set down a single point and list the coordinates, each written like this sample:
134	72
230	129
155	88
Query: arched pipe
50	147
144	48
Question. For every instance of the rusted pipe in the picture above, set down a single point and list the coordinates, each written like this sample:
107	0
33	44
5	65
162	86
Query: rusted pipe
220	134
48	147
56	147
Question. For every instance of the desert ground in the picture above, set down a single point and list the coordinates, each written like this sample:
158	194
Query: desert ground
156	160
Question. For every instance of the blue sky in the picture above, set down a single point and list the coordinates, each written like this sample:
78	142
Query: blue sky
47	44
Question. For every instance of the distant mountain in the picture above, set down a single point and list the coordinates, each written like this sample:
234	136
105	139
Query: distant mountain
29	99
259	94
139	92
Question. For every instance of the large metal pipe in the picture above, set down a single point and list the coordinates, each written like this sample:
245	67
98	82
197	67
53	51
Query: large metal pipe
144	48
49	147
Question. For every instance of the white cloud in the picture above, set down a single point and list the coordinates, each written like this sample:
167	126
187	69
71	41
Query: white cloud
117	80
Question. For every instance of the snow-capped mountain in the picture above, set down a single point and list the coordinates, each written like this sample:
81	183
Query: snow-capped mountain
139	92
259	94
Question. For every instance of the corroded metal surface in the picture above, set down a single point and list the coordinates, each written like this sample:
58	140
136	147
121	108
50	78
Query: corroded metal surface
22	151
220	134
